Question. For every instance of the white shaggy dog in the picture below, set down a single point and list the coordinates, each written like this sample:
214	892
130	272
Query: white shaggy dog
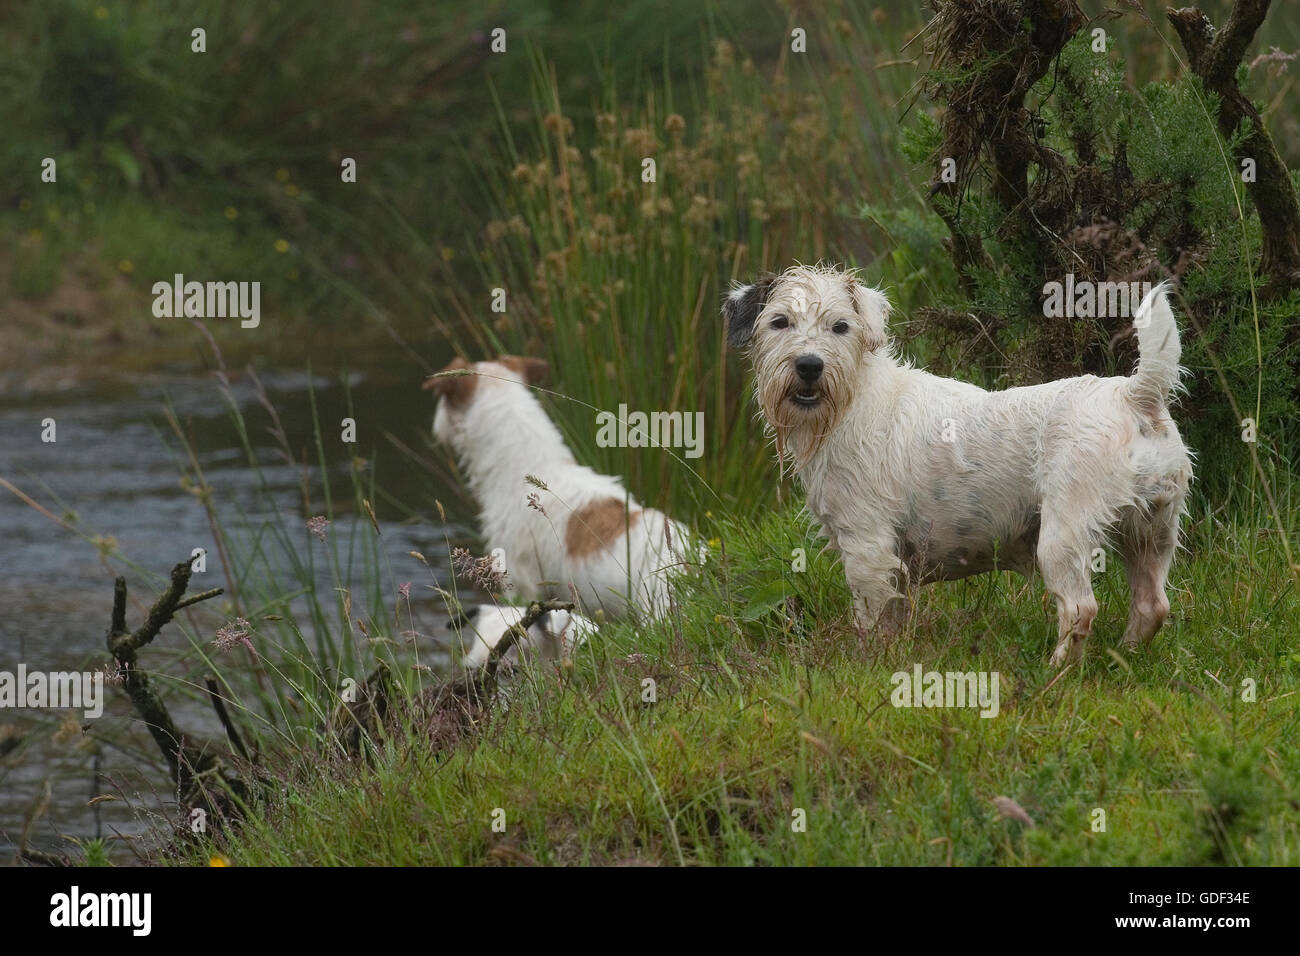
559	523
553	637
918	478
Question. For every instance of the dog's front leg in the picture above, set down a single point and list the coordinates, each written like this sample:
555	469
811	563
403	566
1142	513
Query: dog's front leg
872	569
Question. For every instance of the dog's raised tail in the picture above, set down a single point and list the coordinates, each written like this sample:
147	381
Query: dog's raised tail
1157	371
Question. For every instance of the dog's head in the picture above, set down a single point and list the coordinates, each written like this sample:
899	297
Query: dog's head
807	332
460	386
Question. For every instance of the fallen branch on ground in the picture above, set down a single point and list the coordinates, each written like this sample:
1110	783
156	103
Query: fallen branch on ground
201	778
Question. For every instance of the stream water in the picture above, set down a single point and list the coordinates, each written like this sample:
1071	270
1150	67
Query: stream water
115	465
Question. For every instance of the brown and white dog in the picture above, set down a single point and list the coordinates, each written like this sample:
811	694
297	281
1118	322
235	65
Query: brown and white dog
557	523
918	478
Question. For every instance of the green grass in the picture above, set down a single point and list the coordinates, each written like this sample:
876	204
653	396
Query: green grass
766	706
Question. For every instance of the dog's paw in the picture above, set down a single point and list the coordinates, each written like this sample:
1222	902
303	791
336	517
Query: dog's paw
1068	651
893	620
885	626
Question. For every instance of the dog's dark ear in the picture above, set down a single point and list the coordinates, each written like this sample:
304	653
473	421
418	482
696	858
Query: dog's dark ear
458	388
533	371
741	309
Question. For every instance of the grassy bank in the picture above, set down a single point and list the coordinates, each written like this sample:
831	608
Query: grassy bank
767	704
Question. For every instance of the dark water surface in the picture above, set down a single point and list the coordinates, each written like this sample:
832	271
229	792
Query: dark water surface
115	470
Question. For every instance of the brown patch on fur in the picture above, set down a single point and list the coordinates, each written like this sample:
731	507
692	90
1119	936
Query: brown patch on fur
532	370
596	526
456	389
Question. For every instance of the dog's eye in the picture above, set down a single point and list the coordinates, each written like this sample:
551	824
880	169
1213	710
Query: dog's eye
780	322
839	328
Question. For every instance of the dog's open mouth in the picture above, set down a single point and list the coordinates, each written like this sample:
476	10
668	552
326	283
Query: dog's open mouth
806	397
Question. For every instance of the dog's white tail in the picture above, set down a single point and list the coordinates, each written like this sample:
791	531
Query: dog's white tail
1157	371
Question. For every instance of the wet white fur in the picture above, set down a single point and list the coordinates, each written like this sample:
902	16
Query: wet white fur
552	637
1096	459
503	435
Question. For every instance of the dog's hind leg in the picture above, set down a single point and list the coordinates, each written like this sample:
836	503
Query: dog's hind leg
1147	545
1064	549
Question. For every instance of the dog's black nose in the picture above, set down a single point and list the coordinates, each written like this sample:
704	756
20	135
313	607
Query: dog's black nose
809	368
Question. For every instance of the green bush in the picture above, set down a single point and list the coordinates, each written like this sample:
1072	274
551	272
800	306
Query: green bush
1130	185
